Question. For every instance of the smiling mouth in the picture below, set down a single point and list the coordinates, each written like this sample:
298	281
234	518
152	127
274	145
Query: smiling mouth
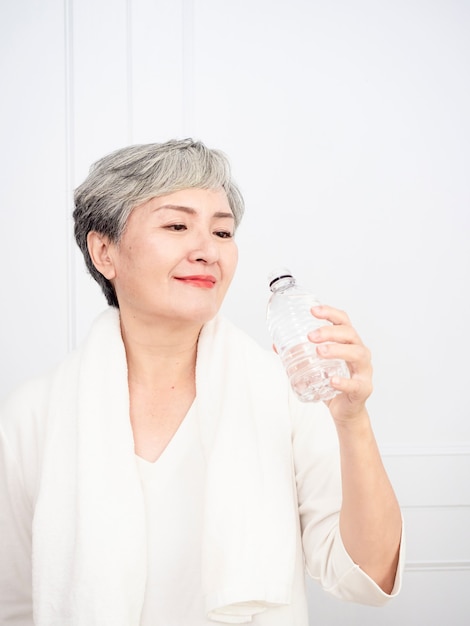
206	282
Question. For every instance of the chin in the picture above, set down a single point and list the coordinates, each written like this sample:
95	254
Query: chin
195	315
203	318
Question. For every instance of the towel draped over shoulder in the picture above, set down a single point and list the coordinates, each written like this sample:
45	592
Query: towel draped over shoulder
263	475
89	553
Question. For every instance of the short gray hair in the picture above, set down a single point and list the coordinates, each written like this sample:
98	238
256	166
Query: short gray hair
133	175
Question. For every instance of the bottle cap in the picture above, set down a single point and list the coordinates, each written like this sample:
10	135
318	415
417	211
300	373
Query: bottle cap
277	274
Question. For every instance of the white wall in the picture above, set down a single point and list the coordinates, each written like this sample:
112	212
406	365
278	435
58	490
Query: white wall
348	129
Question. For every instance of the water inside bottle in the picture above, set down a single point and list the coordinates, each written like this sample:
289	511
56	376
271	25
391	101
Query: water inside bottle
309	375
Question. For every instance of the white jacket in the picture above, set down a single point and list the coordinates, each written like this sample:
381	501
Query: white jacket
72	522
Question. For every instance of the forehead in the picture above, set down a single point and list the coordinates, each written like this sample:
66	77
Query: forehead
211	200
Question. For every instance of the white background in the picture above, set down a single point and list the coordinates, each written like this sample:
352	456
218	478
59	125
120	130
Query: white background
348	128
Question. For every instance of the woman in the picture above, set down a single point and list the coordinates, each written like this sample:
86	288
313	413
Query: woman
165	473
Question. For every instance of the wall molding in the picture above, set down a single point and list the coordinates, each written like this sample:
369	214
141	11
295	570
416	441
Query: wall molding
403	449
437	566
445	506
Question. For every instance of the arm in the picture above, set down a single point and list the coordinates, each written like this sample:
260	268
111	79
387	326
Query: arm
370	518
15	543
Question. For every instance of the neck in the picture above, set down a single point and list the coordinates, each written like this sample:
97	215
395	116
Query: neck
159	352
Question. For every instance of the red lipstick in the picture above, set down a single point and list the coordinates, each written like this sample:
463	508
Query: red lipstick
204	281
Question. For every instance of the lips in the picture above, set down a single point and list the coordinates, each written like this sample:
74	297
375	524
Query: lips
204	281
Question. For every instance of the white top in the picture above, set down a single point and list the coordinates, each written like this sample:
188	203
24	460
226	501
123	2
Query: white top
173	489
71	499
174	492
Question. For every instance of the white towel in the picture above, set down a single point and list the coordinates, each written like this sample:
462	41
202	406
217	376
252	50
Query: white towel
249	538
89	552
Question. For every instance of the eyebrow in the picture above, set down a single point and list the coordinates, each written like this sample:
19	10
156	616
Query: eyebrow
191	211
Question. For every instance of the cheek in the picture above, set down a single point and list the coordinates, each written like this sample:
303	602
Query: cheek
132	266
229	267
140	254
234	259
232	255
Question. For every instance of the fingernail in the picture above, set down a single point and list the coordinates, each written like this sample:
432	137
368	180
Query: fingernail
314	335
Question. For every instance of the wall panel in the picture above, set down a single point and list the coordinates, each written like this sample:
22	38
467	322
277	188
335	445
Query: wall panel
33	194
159	56
347	126
100	116
432	598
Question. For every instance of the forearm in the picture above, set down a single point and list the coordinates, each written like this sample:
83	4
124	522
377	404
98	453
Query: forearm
370	520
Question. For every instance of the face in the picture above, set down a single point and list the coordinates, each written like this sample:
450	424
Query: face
176	257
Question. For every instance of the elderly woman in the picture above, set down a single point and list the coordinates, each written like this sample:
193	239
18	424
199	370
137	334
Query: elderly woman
164	473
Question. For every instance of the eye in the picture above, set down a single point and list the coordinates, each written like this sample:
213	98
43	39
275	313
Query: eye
223	234
176	227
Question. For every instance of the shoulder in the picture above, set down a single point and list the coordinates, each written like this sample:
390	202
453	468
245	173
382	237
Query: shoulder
24	410
23	416
222	334
234	364
25	403
25	420
31	397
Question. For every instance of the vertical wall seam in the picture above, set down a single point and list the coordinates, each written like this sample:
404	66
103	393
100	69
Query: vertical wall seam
69	174
129	73
187	67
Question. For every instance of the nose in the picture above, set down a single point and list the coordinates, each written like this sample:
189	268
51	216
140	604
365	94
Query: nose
204	249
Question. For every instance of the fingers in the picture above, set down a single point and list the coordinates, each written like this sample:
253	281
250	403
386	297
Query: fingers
335	316
339	329
357	389
357	356
339	340
340	333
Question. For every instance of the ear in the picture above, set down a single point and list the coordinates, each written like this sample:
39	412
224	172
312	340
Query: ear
99	247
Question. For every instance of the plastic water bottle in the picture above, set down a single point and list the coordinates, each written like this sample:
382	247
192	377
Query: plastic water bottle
289	322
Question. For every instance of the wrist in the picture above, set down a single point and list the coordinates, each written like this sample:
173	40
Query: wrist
357	424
